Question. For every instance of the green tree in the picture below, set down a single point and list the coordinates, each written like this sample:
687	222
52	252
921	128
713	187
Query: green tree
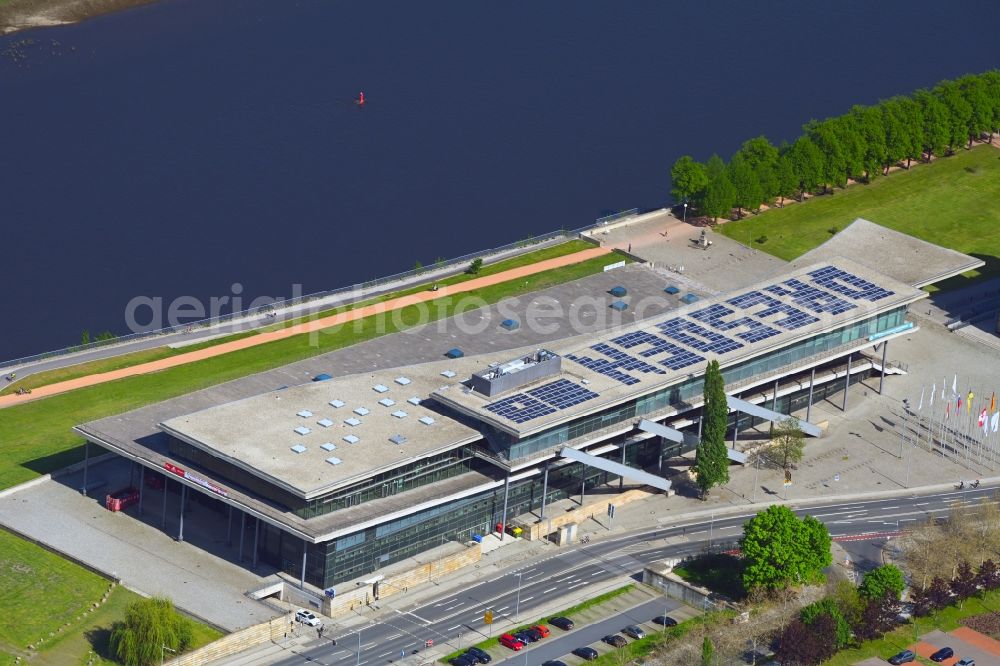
883	580
936	119
762	157
149	625
786	183
828	606
780	550
959	115
719	196
789	441
806	161
711	459
896	143
912	117
976	93
475	266
688	179
869	123
85	337
991	83
707	652
852	142
749	193
827	138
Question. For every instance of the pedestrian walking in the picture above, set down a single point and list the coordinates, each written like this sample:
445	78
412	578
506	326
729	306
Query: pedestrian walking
630	248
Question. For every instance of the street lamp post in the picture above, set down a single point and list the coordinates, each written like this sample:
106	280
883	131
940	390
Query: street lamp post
517	604
685	212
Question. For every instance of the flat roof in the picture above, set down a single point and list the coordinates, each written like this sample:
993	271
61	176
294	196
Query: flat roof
314	438
600	371
892	253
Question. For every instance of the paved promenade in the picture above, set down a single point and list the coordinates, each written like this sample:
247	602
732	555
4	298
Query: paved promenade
305	327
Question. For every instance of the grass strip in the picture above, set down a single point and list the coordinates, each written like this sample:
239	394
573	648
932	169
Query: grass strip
155	354
572	610
951	202
36	437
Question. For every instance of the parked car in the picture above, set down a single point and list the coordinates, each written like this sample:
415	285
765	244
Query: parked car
542	629
307	617
554	662
615	640
968	661
665	621
942	654
587	653
481	656
525	636
464	659
904	657
509	641
634	631
563	623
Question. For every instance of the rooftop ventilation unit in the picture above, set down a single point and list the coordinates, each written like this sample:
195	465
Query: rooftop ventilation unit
414	400
397	439
326	423
502	377
298	448
380	388
337	403
402	381
305	413
302	430
334	460
352	421
361	411
447	373
352	439
387	402
400	414
426	420
329	446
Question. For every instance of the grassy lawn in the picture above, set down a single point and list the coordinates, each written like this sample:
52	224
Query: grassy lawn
45	594
902	638
953	202
720	573
35	438
568	612
147	355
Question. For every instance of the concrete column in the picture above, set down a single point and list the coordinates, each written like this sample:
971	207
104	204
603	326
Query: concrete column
736	428
229	527
243	527
503	516
885	346
166	482
809	405
86	464
142	485
305	550
700	419
583	483
847	382
774	398
256	540
621	479
545	490
180	531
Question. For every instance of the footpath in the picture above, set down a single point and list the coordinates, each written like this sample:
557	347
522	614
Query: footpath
304	327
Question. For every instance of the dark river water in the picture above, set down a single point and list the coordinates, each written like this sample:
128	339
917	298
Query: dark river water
184	146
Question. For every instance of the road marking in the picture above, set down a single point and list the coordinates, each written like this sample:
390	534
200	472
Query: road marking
457	626
699	532
597	573
526	599
386	654
921	503
550	589
887	508
577	585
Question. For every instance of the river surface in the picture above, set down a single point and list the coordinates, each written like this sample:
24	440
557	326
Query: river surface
181	147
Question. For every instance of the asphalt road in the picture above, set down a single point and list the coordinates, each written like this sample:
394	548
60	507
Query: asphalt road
855	525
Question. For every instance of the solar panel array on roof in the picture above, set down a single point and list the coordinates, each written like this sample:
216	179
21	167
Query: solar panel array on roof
685	331
520	408
794	318
848	284
562	394
679	357
810	298
614	369
714	315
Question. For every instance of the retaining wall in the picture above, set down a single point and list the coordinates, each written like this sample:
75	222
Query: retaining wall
244	639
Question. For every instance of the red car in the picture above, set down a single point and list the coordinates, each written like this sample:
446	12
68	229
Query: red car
542	629
509	641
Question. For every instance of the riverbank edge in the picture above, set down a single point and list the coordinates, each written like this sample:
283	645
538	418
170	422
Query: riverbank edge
20	15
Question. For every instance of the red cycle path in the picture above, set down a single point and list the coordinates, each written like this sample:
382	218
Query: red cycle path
305	327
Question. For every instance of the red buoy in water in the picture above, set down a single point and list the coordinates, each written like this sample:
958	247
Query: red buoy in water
361	99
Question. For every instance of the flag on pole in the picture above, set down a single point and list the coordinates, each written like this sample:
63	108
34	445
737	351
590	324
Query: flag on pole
943	384
984	421
921	405
958	405
947	410
954	386
993	402
995	421
968	402
933	391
